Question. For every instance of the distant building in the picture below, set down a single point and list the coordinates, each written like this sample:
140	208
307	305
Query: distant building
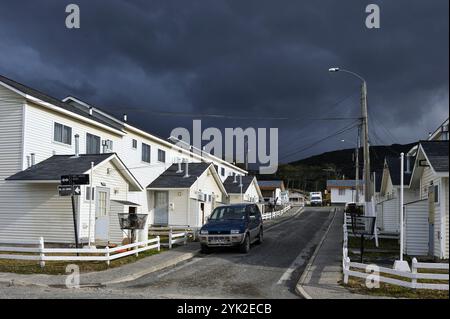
344	190
272	190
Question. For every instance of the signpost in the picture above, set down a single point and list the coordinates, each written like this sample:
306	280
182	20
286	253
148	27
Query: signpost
70	186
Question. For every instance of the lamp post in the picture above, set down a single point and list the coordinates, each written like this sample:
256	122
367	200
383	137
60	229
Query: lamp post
365	131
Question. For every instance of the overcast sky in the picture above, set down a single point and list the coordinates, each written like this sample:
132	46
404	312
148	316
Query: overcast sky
240	57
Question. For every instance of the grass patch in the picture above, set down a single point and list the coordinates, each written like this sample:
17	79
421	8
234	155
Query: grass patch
59	267
357	285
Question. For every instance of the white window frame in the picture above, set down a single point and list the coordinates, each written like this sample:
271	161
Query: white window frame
164	152
149	153
53	134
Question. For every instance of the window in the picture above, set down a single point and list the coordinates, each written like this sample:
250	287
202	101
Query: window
145	153
436	193
62	134
341	191
88	193
161	156
92	144
222	171
134	143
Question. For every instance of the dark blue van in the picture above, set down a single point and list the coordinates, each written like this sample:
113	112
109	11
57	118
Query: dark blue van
237	225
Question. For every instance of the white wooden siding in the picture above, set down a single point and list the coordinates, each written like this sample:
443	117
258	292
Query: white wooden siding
416	228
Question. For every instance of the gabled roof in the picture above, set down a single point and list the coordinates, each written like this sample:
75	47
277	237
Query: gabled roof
436	153
234	188
172	179
51	169
393	164
343	183
63	105
271	184
378	179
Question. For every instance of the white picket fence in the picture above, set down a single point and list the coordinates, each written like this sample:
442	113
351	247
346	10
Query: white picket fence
175	234
411	277
42	254
270	215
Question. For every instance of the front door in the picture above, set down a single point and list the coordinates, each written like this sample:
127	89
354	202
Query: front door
102	214
161	208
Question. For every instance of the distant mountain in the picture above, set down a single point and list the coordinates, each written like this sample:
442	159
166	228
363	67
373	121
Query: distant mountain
343	160
311	173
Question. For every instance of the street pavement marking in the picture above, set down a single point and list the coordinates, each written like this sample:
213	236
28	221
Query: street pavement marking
178	268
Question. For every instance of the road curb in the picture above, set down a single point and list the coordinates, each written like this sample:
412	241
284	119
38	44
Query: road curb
169	263
297	213
299	286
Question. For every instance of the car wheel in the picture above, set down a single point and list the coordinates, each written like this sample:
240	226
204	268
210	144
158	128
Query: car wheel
260	236
245	246
205	249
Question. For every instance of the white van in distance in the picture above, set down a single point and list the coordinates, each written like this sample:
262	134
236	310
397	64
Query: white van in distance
315	198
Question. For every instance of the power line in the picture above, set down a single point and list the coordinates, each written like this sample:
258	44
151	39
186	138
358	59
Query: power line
340	131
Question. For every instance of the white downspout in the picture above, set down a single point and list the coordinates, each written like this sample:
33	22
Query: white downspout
402	163
442	193
90	202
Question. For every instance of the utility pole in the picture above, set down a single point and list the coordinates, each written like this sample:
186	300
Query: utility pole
365	131
357	165
365	136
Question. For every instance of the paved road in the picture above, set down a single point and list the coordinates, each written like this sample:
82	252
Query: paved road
270	270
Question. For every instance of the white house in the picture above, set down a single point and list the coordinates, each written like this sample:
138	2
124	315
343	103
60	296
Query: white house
343	191
185	194
272	190
35	126
243	189
388	205
426	217
31	206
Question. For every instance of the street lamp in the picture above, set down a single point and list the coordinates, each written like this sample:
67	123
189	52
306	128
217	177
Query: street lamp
365	131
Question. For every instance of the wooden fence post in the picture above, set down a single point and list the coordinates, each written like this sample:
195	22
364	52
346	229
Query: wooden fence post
41	252
414	272
107	254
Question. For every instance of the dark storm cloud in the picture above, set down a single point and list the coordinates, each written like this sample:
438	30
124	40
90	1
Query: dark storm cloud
263	57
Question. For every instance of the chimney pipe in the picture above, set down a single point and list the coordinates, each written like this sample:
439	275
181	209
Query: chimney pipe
77	145
33	159
28	162
179	167
90	110
187	170
125	117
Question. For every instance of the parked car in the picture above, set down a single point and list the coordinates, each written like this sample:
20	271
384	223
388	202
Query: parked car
237	225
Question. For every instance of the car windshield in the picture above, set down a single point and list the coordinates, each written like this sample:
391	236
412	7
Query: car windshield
315	198
228	212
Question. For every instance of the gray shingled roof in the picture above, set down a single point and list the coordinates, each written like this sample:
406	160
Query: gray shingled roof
343	183
171	179
394	170
437	154
274	183
66	106
234	188
52	168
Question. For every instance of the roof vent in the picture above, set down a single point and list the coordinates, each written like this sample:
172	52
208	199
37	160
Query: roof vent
125	117
77	145
180	170
90	110
187	170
